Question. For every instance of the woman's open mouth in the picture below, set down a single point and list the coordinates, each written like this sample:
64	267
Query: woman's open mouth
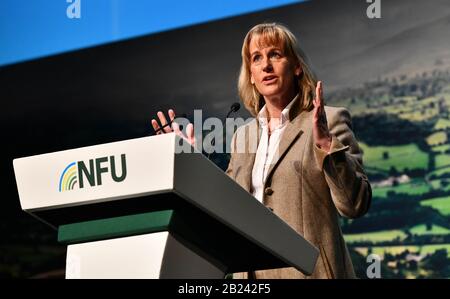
269	80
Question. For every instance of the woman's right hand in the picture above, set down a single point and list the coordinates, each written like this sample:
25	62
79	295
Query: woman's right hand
174	127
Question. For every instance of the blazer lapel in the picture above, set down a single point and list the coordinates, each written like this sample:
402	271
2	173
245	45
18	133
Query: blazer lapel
247	168
249	156
292	132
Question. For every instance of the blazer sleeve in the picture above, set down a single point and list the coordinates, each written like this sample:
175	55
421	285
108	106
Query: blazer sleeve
229	170
343	167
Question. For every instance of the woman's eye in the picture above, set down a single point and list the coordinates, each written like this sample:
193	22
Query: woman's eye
275	55
256	58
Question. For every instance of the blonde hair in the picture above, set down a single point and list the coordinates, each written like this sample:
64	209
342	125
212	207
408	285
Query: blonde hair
279	35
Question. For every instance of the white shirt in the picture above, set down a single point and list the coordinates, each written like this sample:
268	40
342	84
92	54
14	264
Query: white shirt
267	148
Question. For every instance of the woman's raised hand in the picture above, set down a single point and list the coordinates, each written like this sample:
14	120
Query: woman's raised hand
321	134
173	127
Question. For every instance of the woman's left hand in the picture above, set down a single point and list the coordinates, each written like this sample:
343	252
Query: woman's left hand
321	134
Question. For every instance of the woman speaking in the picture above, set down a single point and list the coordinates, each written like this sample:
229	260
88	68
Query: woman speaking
298	157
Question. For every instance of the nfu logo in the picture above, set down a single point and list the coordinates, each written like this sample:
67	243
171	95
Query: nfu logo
77	174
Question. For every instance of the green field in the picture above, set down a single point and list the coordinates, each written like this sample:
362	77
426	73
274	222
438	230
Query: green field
442	160
415	187
423	250
428	175
437	184
419	114
442	124
439	171
421	229
441	148
442	204
437	138
401	157
389	235
380	236
424	109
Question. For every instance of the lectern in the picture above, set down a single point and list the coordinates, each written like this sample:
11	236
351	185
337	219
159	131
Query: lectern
143	208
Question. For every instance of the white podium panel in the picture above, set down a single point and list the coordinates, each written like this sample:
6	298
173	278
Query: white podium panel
157	255
44	181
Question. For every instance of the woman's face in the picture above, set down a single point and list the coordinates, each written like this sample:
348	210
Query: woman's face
272	71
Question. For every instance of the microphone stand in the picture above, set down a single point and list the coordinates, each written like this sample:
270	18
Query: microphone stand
235	107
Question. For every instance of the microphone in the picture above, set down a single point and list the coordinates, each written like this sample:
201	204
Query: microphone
183	115
234	108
